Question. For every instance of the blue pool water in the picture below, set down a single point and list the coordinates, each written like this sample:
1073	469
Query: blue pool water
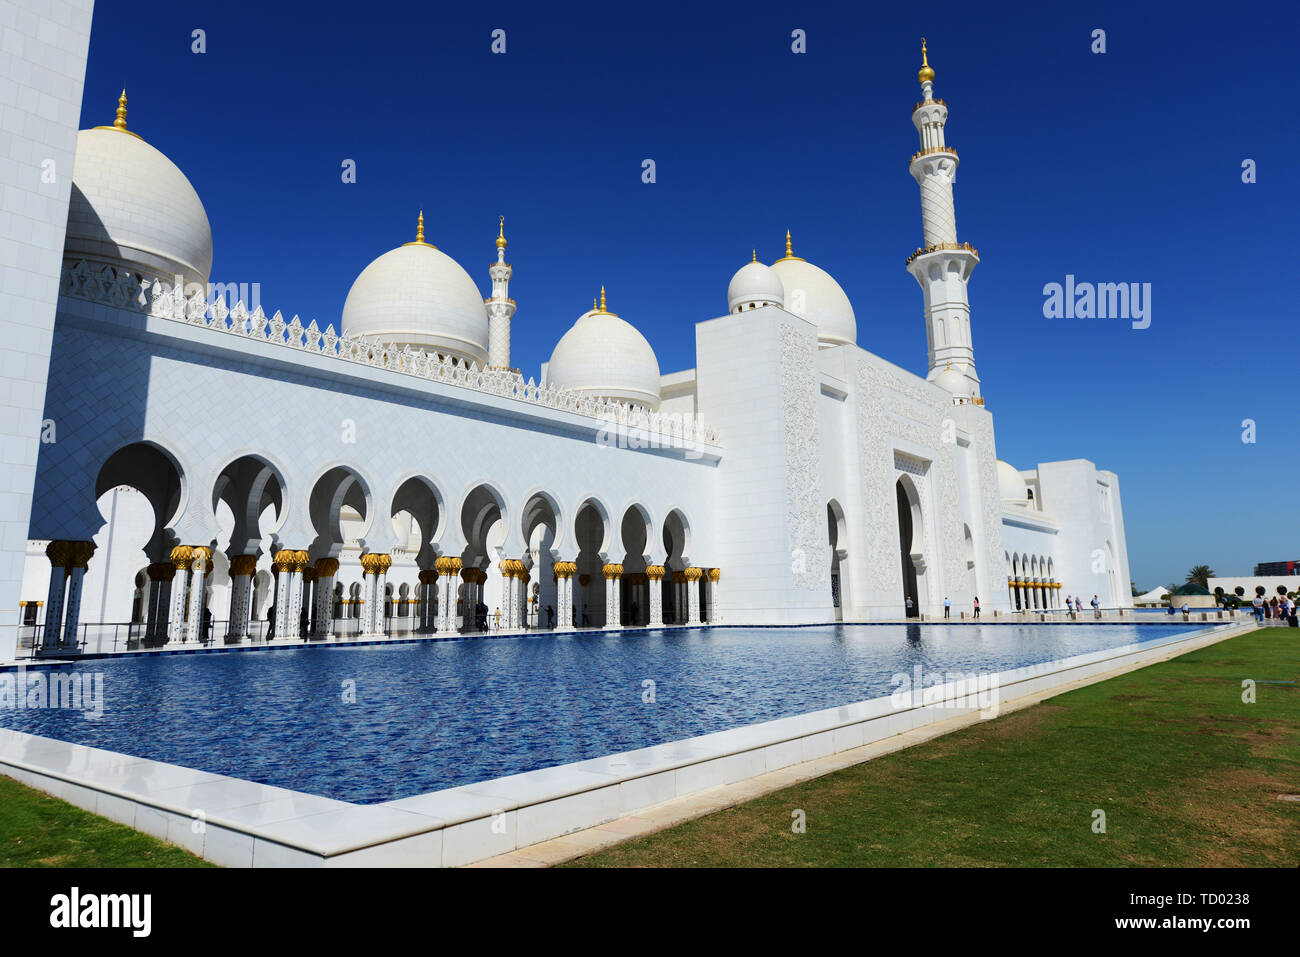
432	715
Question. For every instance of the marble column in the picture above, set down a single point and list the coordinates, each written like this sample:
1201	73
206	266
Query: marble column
655	574
242	569
426	591
323	620
375	566
469	603
200	569
60	555
524	610
715	575
513	576
448	569
182	558
308	576
78	559
693	576
613	572
160	591
564	572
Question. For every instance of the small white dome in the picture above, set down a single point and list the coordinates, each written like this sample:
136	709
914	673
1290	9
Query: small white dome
605	356
811	293
952	381
417	296
1010	485
131	205
754	285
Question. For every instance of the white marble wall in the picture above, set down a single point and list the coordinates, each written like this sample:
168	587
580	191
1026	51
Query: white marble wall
42	69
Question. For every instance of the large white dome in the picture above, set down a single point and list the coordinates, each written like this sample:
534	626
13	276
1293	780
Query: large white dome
811	293
605	356
754	285
131	205
418	296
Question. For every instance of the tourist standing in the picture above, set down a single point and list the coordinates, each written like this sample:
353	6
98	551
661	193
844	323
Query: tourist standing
947	606
270	622
1258	604
977	606
909	606
1096	607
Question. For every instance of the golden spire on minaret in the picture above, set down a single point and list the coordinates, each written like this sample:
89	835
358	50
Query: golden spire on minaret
755	259
925	74
501	236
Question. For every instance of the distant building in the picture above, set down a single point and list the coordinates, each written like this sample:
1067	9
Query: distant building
1278	568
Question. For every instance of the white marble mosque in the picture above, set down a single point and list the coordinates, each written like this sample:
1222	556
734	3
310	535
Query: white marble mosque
409	479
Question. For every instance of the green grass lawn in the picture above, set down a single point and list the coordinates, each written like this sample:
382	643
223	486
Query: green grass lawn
37	830
1185	771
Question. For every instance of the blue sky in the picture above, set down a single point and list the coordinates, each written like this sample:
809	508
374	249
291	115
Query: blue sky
1119	167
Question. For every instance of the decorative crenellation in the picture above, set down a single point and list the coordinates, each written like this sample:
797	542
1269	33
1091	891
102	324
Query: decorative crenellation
124	290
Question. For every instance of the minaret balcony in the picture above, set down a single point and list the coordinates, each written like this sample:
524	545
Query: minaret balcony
940	247
931	150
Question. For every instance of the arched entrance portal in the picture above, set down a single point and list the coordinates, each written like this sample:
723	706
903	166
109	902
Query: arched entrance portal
835	526
909	538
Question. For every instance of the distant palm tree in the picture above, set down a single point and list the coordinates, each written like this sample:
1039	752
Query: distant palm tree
1201	575
1171	588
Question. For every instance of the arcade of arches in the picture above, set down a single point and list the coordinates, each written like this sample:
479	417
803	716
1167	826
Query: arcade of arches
302	594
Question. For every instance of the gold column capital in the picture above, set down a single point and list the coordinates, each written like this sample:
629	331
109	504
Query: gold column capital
693	574
241	565
161	571
655	572
183	557
327	567
79	554
715	574
612	570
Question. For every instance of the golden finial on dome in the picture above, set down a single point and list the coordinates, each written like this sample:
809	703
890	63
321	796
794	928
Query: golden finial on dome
501	236
119	124
925	74
755	259
789	249
602	298
419	233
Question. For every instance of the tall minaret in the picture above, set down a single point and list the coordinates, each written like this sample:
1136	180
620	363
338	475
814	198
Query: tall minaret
500	307
943	265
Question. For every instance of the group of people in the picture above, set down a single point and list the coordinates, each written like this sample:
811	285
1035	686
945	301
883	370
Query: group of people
1075	605
1278	608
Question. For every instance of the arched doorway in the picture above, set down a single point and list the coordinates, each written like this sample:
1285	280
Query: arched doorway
836	533
911	543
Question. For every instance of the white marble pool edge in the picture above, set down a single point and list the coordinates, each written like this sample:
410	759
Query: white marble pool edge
239	823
